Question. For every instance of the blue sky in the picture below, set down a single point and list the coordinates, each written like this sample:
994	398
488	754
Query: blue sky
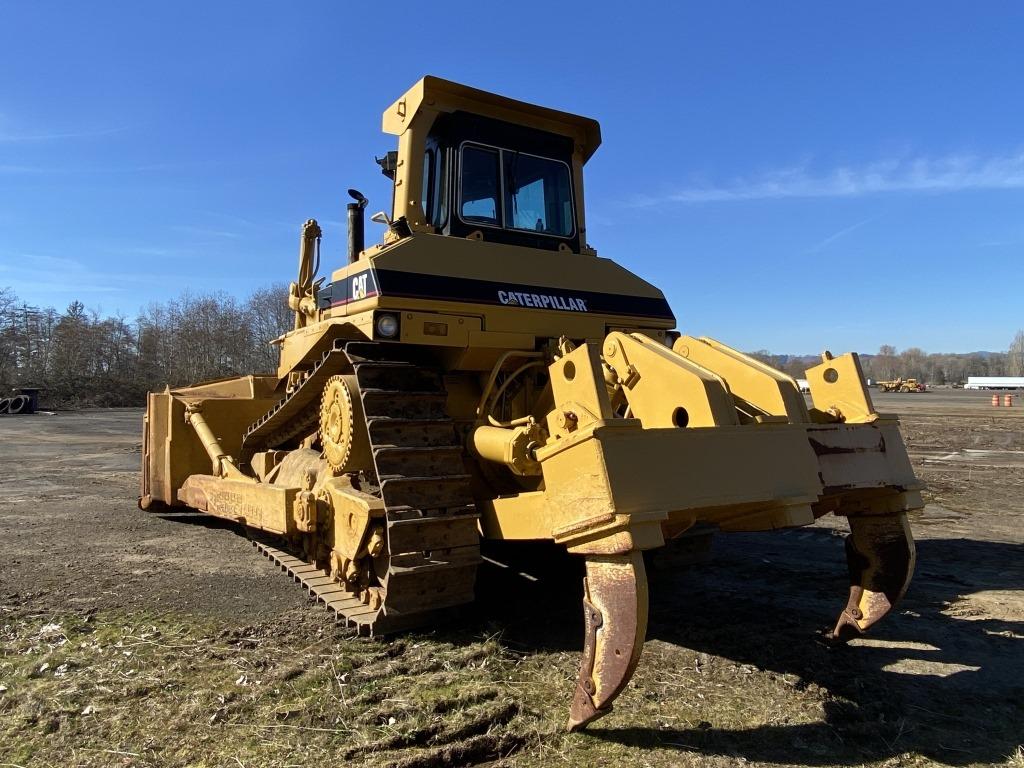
793	175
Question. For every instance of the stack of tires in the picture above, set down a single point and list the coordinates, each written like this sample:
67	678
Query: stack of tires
23	403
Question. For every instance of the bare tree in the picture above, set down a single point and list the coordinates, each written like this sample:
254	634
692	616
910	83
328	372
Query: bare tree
8	335
1015	357
885	362
269	319
912	364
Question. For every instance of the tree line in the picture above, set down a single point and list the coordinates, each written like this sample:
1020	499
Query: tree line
79	357
915	363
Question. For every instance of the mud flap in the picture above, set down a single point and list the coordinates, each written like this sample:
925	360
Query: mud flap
880	555
615	615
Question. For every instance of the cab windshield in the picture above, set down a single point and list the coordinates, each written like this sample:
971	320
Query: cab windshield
515	190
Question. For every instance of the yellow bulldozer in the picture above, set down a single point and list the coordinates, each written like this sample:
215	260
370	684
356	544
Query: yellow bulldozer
482	374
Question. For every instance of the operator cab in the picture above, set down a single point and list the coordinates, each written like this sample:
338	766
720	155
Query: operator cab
471	164
510	183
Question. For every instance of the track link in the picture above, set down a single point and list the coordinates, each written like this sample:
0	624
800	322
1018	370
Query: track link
433	544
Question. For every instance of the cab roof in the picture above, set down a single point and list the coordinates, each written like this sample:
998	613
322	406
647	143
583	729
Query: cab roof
437	95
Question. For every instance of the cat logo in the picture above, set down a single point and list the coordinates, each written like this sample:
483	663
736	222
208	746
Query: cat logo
359	286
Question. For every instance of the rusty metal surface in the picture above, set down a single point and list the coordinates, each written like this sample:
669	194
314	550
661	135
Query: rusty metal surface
875	445
350	609
880	554
615	614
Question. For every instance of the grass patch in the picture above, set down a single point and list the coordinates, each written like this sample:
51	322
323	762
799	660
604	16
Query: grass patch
179	690
172	690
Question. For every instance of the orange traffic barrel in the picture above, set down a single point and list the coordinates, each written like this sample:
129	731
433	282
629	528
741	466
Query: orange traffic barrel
995	400
1008	400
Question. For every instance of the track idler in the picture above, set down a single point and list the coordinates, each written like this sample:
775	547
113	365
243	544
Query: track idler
880	554
615	616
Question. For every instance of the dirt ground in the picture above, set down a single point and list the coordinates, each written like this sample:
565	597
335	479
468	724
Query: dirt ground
136	639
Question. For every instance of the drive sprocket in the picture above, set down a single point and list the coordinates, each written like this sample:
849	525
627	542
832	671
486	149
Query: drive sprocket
342	427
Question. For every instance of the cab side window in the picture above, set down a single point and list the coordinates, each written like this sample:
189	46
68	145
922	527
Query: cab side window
439	201
480	198
427	195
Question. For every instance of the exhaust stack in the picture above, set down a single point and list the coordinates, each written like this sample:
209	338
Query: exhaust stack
356	240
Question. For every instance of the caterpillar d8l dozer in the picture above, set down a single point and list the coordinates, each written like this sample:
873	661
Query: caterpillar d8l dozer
483	374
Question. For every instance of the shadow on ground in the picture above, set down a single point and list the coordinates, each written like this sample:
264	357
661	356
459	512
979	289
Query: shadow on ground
940	678
936	678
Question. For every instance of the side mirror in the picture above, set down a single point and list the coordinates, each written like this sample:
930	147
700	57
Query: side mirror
380	217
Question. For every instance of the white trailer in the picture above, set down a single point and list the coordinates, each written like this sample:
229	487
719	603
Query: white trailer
994	382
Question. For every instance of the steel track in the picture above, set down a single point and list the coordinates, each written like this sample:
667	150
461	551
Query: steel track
432	539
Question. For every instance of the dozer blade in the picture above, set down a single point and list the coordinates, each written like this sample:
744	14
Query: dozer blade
880	554
615	615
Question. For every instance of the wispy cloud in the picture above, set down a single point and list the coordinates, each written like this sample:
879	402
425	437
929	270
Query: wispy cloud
190	229
234	219
44	170
7	137
36	275
1000	243
839	235
954	173
248	227
20	169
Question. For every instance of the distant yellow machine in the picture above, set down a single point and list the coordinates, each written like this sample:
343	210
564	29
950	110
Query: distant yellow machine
901	385
482	373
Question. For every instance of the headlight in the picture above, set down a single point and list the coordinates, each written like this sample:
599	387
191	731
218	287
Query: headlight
386	326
